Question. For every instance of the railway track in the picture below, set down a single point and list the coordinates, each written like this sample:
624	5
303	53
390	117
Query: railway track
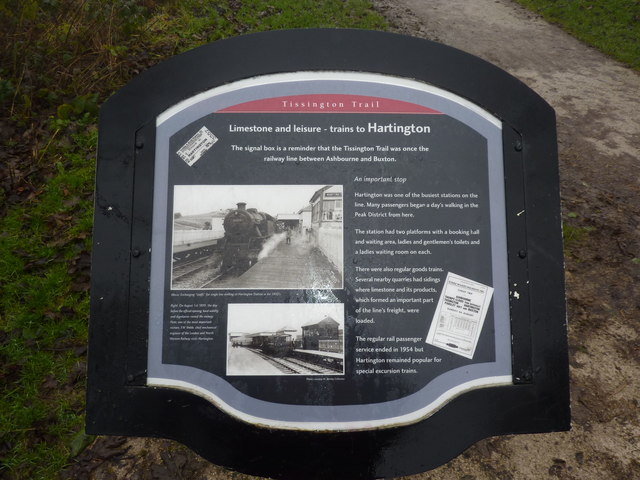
316	368
184	272
186	269
211	281
290	365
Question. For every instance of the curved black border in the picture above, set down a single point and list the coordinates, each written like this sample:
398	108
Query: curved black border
118	402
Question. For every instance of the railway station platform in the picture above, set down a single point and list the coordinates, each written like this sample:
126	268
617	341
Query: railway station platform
297	265
242	361
320	353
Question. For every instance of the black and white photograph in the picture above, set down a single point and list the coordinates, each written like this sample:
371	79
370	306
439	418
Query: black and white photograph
257	237
285	339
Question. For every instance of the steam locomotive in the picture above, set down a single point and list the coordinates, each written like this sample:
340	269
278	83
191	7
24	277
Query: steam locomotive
245	232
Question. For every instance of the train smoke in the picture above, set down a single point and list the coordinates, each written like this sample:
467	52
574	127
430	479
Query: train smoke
271	244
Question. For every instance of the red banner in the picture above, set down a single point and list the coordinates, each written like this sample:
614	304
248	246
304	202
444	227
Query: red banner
329	103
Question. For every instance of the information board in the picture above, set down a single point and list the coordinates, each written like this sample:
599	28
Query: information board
316	250
411	249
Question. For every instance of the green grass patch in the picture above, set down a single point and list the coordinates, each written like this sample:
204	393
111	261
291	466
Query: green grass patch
63	58
44	264
190	23
612	26
573	236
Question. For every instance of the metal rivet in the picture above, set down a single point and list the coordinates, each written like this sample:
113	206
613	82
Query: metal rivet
518	146
522	253
135	252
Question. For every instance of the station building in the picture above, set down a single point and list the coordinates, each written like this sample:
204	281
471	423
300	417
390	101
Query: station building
326	222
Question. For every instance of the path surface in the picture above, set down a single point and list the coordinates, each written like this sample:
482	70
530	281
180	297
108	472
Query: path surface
597	103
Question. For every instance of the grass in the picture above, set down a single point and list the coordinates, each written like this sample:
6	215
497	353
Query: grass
44	264
572	237
217	20
612	26
60	59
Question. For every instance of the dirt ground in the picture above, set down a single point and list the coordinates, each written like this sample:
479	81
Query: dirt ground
597	104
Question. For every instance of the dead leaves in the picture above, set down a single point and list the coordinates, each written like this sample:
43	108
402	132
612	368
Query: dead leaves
80	271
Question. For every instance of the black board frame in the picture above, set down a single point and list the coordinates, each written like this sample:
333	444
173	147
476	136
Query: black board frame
118	400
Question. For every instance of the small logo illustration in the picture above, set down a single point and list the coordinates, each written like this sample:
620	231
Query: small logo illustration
197	145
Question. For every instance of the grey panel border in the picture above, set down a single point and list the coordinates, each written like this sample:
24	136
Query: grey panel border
332	417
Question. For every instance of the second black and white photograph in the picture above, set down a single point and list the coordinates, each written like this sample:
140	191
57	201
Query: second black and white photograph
285	339
257	237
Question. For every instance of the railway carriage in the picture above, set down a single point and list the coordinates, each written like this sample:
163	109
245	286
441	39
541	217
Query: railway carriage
278	345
